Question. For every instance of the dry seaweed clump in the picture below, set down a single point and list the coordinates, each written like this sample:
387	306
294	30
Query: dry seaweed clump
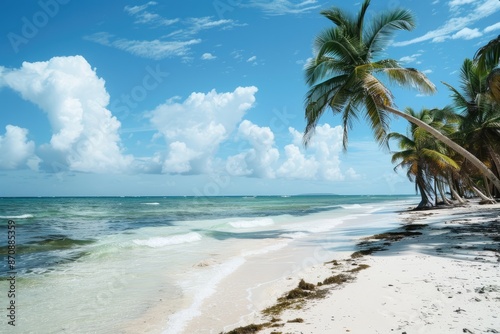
336	279
364	252
306	286
297	320
413	227
293	299
395	236
359	268
250	329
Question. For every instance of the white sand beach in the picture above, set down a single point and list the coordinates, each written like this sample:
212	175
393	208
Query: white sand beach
444	280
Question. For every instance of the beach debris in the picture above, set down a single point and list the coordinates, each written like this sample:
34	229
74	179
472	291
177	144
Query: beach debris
364	252
359	268
337	279
296	320
306	286
250	329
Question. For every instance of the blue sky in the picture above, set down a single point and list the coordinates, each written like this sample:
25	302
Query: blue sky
199	97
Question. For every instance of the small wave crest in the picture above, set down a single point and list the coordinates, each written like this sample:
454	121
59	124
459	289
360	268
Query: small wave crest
352	206
151	203
157	242
252	223
294	235
25	216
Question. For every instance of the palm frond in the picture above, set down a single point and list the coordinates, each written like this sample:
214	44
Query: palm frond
411	77
384	25
488	56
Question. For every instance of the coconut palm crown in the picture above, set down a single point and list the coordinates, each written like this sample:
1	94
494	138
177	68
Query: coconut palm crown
344	76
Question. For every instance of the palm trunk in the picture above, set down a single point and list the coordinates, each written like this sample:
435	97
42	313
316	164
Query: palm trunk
487	187
485	198
443	195
450	143
425	202
454	193
435	192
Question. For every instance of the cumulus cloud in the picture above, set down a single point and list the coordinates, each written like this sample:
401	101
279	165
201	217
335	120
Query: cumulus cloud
320	160
84	133
194	129
259	160
15	149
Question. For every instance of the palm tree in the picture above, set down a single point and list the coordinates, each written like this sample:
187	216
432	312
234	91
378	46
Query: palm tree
423	157
480	117
343	76
487	59
488	56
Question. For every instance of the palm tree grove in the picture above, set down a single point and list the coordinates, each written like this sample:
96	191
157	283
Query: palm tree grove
450	153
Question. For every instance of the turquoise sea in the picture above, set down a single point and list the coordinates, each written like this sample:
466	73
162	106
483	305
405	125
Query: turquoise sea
110	264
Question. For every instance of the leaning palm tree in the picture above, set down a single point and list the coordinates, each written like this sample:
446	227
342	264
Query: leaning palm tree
479	131
424	158
343	76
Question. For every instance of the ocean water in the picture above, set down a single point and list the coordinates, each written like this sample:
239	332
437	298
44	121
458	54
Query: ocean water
114	264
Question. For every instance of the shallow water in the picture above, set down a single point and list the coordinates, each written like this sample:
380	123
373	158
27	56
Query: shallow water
100	264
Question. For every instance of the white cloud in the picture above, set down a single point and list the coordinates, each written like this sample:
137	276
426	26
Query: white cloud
15	149
352	174
283	7
467	34
493	27
178	159
198	126
208	56
143	16
252	59
454	4
154	49
259	160
136	9
482	9
198	24
410	59
297	165
84	133
320	160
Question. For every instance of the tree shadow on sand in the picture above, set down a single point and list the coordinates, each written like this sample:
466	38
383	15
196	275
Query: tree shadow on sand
463	236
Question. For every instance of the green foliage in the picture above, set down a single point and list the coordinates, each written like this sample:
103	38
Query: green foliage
344	75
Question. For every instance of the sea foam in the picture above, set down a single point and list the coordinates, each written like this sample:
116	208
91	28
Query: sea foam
179	320
157	242
25	216
252	223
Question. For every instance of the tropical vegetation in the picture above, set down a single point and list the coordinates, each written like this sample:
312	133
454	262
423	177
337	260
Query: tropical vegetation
347	77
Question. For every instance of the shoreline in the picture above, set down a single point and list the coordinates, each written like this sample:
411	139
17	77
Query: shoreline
442	275
267	268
